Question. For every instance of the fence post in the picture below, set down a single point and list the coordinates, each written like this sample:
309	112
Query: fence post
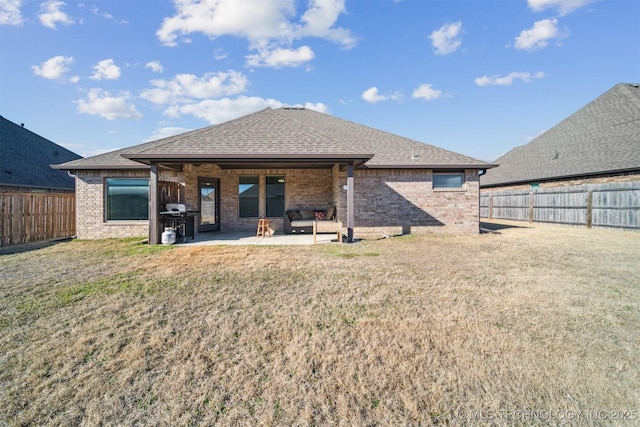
530	206
490	206
589	208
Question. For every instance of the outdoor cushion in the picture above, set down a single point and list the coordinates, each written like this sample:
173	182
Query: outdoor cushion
294	215
320	214
331	213
308	214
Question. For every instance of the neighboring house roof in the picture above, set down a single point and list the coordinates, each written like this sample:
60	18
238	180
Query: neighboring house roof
602	137
25	159
288	136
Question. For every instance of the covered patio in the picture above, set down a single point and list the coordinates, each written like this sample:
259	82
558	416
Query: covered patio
296	172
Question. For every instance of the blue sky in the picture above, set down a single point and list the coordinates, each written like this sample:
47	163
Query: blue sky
478	77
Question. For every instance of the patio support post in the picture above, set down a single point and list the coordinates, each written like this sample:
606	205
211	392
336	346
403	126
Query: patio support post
154	223
350	215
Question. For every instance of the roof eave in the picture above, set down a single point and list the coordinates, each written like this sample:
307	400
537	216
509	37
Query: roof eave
433	166
100	167
560	177
248	158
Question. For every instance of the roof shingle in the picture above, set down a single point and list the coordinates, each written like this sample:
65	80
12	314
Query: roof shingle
25	159
287	133
601	137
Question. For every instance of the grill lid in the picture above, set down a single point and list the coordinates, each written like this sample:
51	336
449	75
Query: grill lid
177	207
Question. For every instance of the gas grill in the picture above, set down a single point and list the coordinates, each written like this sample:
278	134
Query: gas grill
180	219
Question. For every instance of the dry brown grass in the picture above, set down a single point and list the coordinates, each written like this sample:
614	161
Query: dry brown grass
412	330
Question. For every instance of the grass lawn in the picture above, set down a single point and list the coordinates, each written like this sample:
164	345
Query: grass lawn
517	328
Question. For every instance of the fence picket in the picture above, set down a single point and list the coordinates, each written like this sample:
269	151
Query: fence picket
591	205
33	217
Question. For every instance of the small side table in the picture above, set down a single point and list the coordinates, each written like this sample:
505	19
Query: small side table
327	227
263	228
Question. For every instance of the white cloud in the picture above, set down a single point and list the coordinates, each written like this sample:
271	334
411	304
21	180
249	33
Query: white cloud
219	54
165	132
209	97
53	68
225	109
372	96
508	79
318	106
106	70
446	38
268	25
10	12
184	88
252	19
106	15
154	66
319	19
564	7
101	103
279	57
51	14
222	110
539	35
426	91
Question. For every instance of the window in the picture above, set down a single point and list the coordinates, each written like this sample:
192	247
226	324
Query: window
249	192
127	199
448	180
274	202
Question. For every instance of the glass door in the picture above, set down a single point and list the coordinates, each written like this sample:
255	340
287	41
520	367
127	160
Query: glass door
209	204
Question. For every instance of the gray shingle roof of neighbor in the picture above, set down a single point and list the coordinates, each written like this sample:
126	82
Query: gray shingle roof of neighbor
602	137
285	133
25	159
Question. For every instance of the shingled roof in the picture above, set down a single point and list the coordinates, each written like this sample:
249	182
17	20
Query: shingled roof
25	159
602	137
294	136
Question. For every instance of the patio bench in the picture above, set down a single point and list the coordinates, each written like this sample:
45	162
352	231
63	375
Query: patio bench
300	220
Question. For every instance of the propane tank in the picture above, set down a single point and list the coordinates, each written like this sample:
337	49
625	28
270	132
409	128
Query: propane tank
169	236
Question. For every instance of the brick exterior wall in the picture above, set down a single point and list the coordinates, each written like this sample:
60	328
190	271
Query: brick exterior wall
392	202
387	202
90	207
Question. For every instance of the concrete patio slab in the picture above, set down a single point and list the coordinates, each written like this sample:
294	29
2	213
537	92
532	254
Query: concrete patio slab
248	238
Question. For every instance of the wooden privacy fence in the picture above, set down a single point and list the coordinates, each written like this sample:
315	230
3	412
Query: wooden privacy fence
595	205
33	217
